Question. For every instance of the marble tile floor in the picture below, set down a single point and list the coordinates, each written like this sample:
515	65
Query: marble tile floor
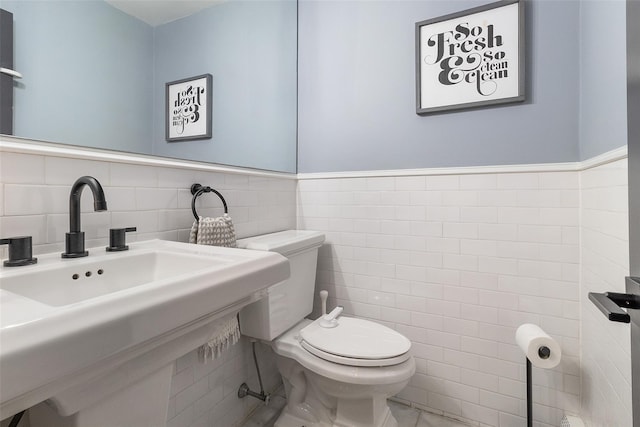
265	416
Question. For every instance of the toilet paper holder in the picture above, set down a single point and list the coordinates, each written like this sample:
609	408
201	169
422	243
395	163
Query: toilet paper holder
611	304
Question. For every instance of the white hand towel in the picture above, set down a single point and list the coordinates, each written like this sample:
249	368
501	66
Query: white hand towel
214	232
225	333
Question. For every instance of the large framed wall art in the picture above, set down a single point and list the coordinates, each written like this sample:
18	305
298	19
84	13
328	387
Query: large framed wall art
471	58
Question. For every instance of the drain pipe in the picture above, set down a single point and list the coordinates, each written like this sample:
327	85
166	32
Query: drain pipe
244	389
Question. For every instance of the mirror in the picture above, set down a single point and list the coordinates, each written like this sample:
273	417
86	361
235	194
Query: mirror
95	76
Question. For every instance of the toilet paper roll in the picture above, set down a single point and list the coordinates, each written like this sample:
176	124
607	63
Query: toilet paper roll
534	342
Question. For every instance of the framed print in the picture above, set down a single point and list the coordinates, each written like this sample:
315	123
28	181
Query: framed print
189	106
471	58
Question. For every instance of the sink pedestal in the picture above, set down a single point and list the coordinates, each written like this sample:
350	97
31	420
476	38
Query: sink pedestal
142	404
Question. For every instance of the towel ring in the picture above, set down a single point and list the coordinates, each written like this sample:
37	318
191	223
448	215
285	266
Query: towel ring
197	190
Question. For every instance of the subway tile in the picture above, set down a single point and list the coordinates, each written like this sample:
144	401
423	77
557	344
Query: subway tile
518	181
403	252
460	294
497	265
427	321
410	303
497	198
479	313
497	299
478	247
540	233
460	198
425	228
479	346
410	243
479	214
406	272
443	403
156	198
559	180
499	402
410	183
460	230
380	184
30	199
478	182
64	171
16	168
507	232
540	269
520	250
478	280
29	225
394	315
443	371
460	327
442	213
126	175
470	375
410	213
510	215
442	182
460	262
444	244
426	198
539	198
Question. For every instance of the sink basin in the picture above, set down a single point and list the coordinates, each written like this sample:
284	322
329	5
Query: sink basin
66	319
69	284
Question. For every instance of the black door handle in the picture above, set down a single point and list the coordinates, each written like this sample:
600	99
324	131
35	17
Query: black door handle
610	303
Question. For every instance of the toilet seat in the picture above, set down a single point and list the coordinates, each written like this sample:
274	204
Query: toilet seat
356	342
288	345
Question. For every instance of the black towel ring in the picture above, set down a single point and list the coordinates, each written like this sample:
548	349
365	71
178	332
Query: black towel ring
197	190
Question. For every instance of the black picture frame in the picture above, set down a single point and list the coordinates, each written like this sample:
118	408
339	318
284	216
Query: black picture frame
482	47
189	109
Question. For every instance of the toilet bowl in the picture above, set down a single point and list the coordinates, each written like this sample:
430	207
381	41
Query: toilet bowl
338	371
344	390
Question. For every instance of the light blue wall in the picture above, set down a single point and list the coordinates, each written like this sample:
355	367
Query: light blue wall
250	49
603	77
357	91
103	100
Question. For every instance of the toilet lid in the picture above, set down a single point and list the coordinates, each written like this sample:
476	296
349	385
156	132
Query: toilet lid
356	342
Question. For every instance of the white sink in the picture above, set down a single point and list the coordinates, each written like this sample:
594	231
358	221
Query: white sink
65	321
68	284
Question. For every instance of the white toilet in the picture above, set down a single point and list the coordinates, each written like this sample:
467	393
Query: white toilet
338	371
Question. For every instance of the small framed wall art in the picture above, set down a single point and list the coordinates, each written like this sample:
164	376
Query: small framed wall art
189	107
471	58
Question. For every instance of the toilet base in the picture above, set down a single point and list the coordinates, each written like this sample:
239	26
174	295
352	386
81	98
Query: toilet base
287	419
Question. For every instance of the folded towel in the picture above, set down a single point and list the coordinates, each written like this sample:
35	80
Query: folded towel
226	333
214	232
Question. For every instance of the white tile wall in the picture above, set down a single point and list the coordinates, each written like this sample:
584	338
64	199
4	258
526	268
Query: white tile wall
457	263
454	262
34	198
606	353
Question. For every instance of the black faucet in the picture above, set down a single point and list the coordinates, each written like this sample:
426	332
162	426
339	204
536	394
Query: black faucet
74	239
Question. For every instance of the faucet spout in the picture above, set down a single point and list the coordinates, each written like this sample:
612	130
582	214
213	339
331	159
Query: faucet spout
74	239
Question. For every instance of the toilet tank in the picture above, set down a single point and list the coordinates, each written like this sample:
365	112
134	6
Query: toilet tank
287	302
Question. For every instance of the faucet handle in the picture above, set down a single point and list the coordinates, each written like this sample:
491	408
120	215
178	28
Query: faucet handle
20	251
118	239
